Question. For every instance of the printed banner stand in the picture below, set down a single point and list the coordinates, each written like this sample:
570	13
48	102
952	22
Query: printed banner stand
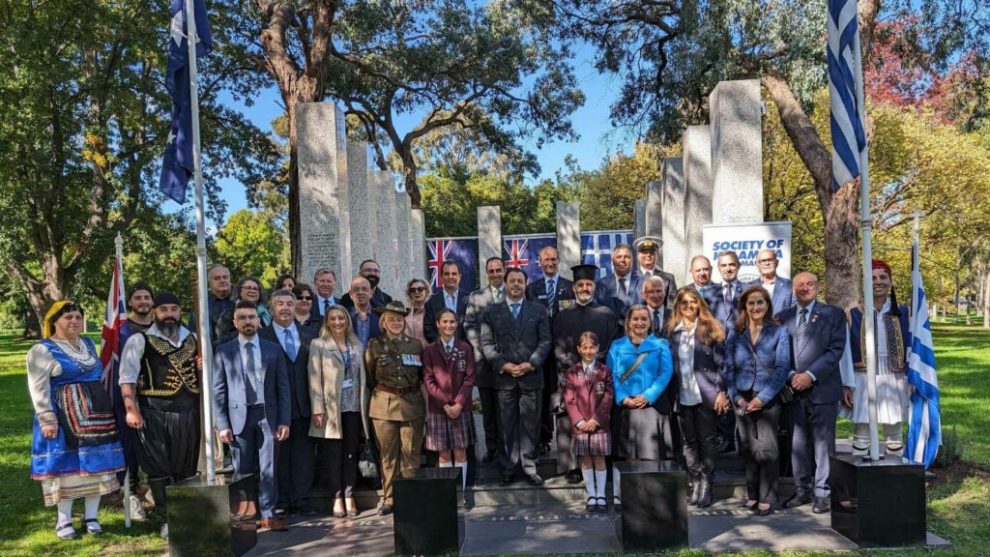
747	240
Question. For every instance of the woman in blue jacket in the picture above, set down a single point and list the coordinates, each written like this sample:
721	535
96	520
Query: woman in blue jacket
757	360
641	370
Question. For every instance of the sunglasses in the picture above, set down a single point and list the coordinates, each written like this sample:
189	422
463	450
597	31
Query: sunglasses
417	290
305	298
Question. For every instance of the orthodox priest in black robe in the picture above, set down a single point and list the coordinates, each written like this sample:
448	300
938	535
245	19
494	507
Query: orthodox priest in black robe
580	315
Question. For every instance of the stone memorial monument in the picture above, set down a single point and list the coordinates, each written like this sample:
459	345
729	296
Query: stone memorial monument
697	160
639	218
417	235
363	213
387	247
654	210
736	110
568	236
675	254
489	236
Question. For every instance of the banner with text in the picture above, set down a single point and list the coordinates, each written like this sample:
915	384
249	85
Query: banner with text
747	240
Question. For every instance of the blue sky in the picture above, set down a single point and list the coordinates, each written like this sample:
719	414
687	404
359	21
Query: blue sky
598	137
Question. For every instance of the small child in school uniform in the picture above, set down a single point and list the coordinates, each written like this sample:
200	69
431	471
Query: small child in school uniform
588	394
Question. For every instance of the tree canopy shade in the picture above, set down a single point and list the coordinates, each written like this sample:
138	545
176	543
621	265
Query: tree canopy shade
83	121
495	69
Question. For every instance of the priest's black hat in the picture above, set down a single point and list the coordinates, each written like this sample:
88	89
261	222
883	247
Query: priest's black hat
585	272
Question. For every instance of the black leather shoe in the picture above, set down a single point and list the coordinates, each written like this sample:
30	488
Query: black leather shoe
573	477
764	512
384	510
534	479
797	501
822	506
746	505
505	479
705	497
695	490
490	456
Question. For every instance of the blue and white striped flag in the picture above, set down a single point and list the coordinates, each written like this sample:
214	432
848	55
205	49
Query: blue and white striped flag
925	426
845	85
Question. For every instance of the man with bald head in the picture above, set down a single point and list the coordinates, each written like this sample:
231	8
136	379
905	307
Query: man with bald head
818	338
364	321
779	287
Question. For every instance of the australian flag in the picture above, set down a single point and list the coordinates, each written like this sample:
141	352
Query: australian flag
177	165
462	250
523	251
596	248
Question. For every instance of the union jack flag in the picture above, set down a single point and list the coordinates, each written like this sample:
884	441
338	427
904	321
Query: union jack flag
517	252
439	254
113	320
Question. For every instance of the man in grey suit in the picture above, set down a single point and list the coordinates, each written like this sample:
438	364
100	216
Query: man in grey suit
484	375
818	333
781	295
296	455
515	338
724	302
252	404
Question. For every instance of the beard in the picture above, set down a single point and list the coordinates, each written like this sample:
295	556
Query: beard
373	280
168	327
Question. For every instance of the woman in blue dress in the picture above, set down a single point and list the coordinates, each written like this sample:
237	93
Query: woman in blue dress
75	452
641	367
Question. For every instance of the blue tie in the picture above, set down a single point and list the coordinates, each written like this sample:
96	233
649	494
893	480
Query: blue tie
551	293
253	379
515	310
290	345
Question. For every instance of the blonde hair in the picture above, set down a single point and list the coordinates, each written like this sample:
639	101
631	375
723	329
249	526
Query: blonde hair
349	334
629	312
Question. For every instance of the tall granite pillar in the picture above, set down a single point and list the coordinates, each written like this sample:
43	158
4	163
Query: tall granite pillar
568	236
387	253
417	235
698	186
323	188
737	152
654	208
363	212
639	219
489	236
403	209
675	255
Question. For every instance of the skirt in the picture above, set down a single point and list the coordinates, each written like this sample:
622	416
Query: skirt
893	398
444	434
640	434
598	443
75	486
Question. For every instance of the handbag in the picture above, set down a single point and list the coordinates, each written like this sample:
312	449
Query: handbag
786	393
368	463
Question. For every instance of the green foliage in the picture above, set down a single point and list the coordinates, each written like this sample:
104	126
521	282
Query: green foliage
249	244
608	195
951	449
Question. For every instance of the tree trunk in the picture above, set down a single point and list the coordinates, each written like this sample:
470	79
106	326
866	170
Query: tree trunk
409	177
986	297
842	276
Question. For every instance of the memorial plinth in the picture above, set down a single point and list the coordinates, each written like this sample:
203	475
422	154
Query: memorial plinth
201	516
654	505
425	512
878	504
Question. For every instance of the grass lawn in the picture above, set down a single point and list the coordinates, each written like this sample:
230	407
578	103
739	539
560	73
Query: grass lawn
959	502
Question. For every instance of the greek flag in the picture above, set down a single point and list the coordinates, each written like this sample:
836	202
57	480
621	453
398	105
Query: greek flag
925	427
845	88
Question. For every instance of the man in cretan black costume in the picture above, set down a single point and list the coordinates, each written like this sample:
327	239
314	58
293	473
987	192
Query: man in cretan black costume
579	315
160	383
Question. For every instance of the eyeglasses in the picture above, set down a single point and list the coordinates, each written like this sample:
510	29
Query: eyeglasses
417	290
305	298
249	287
765	260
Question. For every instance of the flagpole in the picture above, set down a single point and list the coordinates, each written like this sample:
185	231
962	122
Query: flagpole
870	356
205	348
915	262
118	244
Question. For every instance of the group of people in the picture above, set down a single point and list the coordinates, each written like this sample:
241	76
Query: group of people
625	367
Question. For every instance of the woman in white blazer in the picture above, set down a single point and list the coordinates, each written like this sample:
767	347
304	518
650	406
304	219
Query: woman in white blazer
338	393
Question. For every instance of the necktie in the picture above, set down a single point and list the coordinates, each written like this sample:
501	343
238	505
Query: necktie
497	296
622	287
290	345
656	322
326	305
451	303
729	294
515	310
448	348
803	319
252	371
551	293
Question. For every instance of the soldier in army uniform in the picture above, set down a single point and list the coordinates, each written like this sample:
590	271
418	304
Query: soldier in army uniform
398	409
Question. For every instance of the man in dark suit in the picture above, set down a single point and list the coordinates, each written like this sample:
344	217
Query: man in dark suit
217	300
725	302
648	250
364	321
484	376
325	283
818	333
701	277
515	338
620	289
253	405
451	297
780	288
296	460
372	272
549	292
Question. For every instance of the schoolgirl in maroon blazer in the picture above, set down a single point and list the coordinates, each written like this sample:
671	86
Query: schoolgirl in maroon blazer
588	395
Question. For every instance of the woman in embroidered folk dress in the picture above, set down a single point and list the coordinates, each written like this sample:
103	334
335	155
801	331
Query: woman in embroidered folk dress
448	372
75	451
892	341
588	395
641	369
338	393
